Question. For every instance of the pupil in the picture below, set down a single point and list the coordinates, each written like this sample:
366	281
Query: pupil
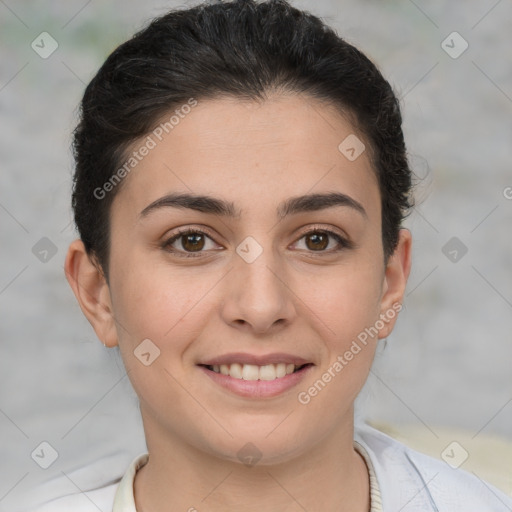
196	242
318	238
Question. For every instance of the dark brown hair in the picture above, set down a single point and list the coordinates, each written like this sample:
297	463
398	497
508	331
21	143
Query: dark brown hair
242	49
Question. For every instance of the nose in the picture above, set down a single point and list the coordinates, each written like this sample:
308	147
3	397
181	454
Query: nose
257	297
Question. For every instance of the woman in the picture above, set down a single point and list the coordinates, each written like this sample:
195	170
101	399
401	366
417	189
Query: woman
241	179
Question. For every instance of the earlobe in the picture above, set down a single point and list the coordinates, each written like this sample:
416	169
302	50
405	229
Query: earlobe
91	291
397	272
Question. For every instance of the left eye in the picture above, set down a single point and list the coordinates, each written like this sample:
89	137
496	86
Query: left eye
320	240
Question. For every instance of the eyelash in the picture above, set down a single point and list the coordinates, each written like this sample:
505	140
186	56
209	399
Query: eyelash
343	243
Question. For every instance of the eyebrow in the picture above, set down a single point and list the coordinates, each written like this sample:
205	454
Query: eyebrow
212	205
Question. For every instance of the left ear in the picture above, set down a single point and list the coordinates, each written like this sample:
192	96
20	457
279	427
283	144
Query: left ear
395	280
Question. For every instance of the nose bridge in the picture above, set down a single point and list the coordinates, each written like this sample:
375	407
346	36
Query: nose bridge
257	292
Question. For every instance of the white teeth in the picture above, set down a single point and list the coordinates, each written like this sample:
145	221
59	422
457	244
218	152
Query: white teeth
268	372
280	370
250	372
254	372
235	371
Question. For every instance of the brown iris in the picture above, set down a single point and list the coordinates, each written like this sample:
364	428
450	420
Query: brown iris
192	242
319	241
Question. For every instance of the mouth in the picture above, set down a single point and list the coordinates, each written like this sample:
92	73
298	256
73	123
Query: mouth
241	374
253	372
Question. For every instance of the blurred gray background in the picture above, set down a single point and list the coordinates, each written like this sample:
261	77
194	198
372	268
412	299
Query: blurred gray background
449	361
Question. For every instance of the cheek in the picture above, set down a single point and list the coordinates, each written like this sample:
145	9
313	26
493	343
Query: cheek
347	308
345	300
159	303
347	305
153	302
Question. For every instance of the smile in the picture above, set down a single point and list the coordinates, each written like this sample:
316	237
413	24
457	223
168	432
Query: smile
255	372
256	377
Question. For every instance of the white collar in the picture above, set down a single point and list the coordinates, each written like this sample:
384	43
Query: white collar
124	500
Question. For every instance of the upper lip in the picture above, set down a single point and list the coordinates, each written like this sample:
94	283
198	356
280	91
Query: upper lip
258	360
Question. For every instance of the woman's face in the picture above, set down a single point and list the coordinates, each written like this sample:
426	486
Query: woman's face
282	267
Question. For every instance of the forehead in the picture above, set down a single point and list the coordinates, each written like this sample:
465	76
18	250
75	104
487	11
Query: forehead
247	151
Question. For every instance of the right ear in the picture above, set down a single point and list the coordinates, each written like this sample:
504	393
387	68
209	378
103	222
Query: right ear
91	291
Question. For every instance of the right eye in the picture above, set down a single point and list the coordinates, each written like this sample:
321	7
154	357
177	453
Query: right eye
189	241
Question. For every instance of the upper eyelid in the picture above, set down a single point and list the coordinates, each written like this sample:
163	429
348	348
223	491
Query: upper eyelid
190	229
330	230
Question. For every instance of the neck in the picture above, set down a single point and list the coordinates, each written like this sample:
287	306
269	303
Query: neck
331	476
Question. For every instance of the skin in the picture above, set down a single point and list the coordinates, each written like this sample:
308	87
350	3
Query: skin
299	297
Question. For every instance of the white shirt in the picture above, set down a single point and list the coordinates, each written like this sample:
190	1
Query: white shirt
401	479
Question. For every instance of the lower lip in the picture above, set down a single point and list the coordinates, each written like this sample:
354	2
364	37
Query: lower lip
257	388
